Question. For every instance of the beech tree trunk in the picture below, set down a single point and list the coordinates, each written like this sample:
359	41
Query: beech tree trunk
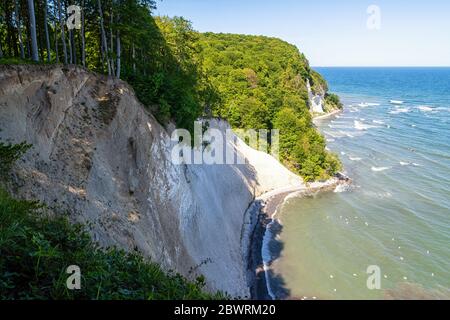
34	46
47	38
103	35
19	30
63	33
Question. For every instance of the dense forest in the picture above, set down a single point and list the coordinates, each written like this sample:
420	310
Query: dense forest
262	84
178	73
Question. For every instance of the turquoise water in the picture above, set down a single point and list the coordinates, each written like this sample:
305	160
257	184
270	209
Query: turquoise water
397	213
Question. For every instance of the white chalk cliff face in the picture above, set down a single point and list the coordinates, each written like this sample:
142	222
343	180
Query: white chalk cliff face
316	101
101	157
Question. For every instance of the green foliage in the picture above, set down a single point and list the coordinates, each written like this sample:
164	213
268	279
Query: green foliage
36	249
318	83
180	74
262	85
332	102
9	154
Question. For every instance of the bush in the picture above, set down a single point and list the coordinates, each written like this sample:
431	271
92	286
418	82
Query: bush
36	249
9	154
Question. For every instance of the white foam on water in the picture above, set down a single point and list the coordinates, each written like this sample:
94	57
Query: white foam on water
343	188
362	126
355	158
405	163
425	108
400	110
380	169
378	121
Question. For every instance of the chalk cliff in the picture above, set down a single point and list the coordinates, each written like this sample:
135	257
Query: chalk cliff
102	158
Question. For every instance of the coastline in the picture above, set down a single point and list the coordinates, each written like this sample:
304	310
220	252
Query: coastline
265	208
328	115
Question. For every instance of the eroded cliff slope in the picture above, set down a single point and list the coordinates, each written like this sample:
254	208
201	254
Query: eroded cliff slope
102	158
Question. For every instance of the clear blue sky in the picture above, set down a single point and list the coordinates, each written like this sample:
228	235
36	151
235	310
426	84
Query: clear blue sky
333	32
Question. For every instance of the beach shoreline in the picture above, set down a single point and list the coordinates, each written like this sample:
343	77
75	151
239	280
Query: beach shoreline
265	208
328	115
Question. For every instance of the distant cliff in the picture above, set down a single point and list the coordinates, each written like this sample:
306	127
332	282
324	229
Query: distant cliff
102	158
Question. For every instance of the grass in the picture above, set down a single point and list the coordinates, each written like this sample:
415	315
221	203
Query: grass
36	248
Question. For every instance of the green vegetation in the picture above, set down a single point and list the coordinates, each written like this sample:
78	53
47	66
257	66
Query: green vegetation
9	154
179	74
332	102
262	84
36	248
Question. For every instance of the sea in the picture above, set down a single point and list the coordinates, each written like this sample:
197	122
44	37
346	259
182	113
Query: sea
387	236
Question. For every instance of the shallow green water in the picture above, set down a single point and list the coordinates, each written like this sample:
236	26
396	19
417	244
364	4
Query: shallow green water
397	215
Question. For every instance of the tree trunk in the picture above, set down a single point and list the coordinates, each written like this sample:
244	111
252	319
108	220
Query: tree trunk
111	45
63	33
118	51
47	38
73	47
83	39
103	34
133	55
56	42
19	30
34	46
70	46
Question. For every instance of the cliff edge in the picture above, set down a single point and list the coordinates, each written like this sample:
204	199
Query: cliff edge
102	158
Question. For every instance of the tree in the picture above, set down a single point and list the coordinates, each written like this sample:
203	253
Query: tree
63	33
19	29
104	45
83	36
34	46
47	38
119	52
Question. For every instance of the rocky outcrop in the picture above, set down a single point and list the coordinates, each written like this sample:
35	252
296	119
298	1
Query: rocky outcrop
99	156
316	100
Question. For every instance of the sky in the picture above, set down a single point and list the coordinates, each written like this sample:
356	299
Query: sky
333	32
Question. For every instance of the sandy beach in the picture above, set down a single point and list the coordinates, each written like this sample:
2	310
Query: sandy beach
265	209
327	115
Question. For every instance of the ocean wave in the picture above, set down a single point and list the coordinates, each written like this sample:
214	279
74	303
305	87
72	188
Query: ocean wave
400	110
378	121
362	126
425	108
355	158
379	169
343	188
380	195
